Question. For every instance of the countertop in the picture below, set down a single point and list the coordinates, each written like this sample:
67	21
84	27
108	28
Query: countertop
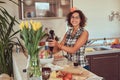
19	63
113	50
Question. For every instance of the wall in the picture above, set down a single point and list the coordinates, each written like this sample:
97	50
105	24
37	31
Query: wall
59	25
97	12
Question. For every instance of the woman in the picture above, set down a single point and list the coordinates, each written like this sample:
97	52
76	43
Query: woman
75	39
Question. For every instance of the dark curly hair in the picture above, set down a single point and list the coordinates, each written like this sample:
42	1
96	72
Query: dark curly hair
81	15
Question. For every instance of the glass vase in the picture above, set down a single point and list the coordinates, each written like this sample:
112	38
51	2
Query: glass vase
34	71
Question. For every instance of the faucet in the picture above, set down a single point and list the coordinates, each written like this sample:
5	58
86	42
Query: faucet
90	42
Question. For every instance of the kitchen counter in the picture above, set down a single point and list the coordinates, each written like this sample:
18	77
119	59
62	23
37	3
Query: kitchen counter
113	50
19	63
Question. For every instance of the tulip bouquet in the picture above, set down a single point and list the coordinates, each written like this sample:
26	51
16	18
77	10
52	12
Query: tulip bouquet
32	33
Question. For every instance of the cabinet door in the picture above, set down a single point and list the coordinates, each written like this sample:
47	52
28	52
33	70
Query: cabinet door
89	61
119	66
106	65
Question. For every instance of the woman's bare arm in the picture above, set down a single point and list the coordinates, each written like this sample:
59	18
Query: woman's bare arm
79	43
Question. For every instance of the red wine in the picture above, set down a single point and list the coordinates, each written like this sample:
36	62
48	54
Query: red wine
75	64
46	73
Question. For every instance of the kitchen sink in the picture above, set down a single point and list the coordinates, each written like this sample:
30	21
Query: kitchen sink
101	48
97	48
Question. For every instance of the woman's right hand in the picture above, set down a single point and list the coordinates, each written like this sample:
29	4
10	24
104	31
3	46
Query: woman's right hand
52	43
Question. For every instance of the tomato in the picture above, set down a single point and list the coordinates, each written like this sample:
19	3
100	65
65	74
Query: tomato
69	75
66	78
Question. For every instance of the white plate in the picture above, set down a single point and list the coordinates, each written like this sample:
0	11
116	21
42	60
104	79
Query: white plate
46	61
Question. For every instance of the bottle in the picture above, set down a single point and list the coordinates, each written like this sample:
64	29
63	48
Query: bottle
105	42
51	36
60	12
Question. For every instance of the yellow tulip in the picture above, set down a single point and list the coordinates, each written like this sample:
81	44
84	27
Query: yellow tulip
26	24
22	25
31	21
38	25
34	26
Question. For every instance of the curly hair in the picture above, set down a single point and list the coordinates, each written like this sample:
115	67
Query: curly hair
81	15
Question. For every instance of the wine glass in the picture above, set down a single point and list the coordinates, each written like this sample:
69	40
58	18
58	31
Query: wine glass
46	73
75	60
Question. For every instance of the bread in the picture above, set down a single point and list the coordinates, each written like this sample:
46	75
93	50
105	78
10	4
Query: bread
73	70
55	78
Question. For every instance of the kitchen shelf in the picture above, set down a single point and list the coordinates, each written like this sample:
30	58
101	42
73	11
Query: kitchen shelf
43	18
44	9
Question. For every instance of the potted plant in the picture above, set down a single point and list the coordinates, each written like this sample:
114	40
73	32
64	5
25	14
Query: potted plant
7	40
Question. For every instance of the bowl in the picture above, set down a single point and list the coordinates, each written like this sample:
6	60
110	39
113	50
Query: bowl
46	61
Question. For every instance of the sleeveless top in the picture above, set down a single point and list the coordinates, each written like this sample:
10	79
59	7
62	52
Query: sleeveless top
70	41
